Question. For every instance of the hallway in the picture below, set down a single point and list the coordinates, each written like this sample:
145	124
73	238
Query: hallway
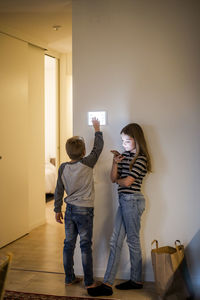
37	264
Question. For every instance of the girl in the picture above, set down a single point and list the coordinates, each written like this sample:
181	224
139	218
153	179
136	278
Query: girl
128	171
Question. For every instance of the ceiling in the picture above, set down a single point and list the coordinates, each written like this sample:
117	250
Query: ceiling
33	21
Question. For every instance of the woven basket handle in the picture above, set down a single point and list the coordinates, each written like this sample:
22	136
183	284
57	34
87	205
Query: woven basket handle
177	242
178	245
155	241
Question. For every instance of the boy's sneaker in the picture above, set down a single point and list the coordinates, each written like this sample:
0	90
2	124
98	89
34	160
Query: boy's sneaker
76	280
95	284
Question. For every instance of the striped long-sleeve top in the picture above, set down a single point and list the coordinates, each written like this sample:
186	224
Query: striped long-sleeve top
138	171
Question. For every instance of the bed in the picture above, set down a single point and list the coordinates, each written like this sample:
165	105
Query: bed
50	177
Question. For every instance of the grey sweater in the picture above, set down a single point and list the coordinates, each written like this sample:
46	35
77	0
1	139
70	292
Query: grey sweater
77	178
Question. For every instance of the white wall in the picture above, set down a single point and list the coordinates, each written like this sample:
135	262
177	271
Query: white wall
139	61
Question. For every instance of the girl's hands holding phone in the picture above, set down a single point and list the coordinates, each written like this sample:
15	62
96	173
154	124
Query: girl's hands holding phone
118	157
115	152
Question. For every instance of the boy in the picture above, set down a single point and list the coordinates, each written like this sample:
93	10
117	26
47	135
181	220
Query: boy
76	178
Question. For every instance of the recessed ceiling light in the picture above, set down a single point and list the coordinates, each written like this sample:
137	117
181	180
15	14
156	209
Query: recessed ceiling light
56	27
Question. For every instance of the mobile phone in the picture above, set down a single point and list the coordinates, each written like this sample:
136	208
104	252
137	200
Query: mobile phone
115	152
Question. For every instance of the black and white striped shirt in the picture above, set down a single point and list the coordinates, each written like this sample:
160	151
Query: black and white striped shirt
138	171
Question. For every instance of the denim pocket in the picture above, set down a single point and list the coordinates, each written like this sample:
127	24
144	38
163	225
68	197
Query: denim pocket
67	213
84	220
91	213
140	206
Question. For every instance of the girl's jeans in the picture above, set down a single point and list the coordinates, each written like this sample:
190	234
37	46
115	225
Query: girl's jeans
127	222
78	220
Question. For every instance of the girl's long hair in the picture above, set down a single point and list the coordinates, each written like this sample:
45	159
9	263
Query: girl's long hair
135	131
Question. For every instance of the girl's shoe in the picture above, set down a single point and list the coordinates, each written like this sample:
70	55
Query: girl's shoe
129	285
101	290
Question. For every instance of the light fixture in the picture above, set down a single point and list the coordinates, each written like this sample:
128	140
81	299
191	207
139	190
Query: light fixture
56	27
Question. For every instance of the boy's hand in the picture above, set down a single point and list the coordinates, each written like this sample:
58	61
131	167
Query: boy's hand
59	217
96	124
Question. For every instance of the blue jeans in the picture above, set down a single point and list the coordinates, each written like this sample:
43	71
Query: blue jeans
78	220
127	222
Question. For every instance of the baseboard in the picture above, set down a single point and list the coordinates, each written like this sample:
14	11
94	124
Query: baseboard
100	273
148	277
36	224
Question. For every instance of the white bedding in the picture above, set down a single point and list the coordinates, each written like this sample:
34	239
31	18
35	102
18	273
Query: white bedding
50	178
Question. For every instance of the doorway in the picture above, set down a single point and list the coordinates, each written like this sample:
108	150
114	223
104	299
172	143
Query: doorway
51	125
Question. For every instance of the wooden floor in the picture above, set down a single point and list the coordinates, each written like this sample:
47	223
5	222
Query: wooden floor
37	264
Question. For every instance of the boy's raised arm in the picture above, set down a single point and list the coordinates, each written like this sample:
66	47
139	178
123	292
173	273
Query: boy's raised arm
96	124
92	158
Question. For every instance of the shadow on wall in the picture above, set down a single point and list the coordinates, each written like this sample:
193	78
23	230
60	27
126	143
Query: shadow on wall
155	210
102	244
105	204
192	254
191	265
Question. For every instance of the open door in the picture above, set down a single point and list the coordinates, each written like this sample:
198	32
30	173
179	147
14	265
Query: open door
13	139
